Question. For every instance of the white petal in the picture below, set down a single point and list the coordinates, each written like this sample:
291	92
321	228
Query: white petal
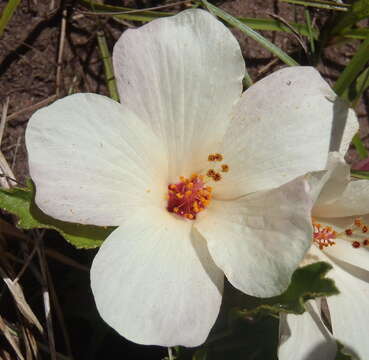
343	250
329	184
93	161
349	310
353	201
154	281
345	126
259	240
182	75
304	337
336	179
281	129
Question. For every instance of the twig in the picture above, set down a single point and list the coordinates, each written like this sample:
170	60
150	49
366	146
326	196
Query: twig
10	178
3	118
24	267
61	50
59	356
294	31
32	107
4	166
59	313
267	66
6	173
15	152
170	353
46	297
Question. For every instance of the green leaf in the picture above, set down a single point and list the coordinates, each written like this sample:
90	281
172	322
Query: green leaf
246	339
307	283
20	202
108	66
360	147
201	354
341	353
359	33
7	14
353	69
231	20
328	5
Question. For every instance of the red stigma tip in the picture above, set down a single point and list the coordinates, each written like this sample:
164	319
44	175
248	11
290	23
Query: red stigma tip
356	244
348	232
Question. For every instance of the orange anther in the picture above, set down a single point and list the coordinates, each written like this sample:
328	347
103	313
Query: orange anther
225	168
217	177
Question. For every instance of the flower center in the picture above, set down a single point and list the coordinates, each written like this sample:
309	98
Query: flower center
324	236
190	196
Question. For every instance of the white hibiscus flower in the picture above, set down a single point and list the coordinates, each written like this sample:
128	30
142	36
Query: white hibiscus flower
198	177
341	238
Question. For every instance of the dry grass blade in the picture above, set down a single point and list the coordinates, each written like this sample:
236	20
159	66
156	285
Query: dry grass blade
32	342
7	332
26	343
20	300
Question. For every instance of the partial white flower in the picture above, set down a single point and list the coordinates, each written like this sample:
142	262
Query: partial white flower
341	238
198	176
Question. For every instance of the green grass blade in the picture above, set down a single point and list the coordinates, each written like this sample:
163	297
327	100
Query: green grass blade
123	12
353	69
358	11
7	14
360	147
108	66
309	25
148	15
276	25
360	33
251	33
353	93
346	82
247	81
329	5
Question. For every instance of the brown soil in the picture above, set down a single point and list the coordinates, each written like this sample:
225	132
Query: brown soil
29	54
